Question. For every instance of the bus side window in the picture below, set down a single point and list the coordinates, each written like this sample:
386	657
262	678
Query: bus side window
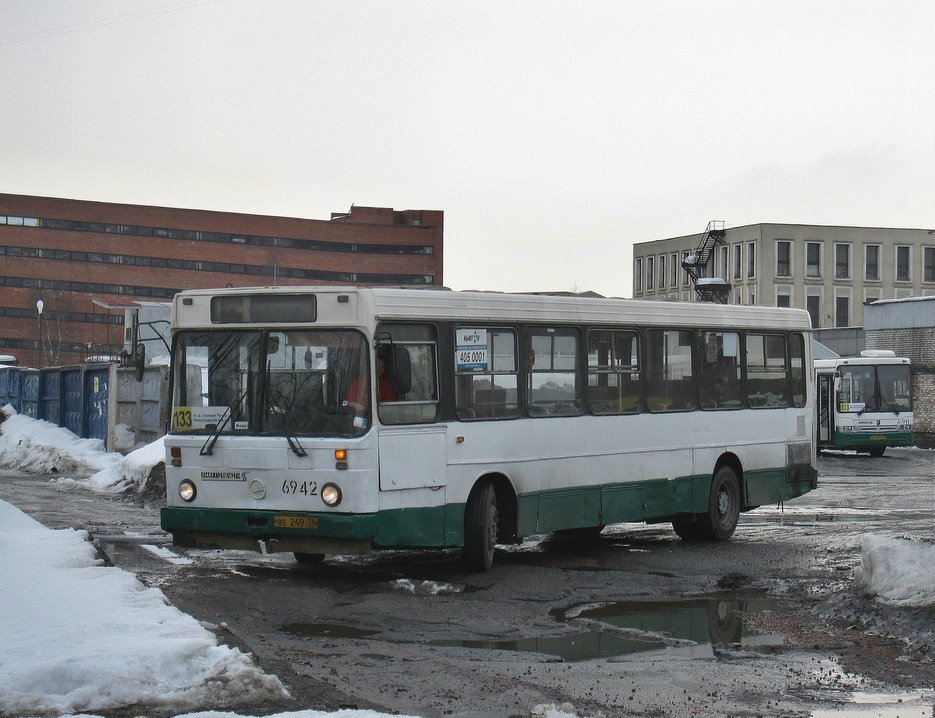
409	353
720	371
767	386
669	378
486	380
552	373
613	372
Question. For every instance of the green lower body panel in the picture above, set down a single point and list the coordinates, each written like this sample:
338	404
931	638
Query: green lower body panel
423	526
440	526
855	440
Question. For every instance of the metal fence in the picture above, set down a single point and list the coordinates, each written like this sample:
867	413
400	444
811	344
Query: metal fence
94	401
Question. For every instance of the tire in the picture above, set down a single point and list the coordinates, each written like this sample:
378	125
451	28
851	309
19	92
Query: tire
876	451
719	522
687	529
481	520
309	559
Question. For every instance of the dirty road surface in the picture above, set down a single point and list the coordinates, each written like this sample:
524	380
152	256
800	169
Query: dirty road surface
630	622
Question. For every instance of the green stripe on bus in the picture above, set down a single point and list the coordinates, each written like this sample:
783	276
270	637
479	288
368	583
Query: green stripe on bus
538	512
844	439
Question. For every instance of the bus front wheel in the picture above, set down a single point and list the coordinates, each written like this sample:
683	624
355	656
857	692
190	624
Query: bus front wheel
876	451
481	520
723	505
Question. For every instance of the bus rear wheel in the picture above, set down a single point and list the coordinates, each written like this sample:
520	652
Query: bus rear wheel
481	520
688	529
719	522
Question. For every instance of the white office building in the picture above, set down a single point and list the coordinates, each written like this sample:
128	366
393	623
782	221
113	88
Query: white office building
830	271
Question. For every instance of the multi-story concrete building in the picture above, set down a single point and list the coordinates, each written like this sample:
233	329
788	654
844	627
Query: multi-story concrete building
67	267
830	271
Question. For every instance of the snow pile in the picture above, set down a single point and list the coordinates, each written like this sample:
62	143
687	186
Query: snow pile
42	447
898	572
80	636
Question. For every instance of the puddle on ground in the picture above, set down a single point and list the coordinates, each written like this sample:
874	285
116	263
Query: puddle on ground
327	630
692	627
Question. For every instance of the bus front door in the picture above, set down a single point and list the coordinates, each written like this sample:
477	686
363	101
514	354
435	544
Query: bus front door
413	476
825	406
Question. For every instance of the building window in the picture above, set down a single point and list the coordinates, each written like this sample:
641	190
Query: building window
842	313
928	264
813	307
903	263
686	278
842	261
650	273
813	260
872	262
738	260
723	259
674	270
662	271
751	260
783	300
638	275
783	258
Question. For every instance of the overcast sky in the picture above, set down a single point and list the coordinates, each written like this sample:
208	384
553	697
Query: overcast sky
553	135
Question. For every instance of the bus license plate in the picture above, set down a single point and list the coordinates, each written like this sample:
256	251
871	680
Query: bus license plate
877	437
295	522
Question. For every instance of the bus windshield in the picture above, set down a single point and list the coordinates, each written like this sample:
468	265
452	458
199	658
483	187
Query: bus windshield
284	383
884	387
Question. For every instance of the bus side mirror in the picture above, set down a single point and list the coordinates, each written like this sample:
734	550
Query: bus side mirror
837	383
400	370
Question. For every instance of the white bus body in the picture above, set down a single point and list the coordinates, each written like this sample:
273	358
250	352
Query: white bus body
505	416
864	403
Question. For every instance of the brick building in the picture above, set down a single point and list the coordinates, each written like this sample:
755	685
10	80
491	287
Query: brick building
907	327
67	263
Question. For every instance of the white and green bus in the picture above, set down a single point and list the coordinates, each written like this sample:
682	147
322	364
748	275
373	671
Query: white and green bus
864	403
338	420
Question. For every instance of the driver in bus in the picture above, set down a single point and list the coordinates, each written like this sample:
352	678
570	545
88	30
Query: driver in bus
357	397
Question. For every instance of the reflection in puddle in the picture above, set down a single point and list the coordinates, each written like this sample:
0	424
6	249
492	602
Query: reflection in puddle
689	628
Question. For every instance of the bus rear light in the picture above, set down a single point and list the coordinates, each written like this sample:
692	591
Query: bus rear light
176	453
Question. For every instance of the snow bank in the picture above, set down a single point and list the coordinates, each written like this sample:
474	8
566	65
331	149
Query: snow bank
898	572
107	641
42	447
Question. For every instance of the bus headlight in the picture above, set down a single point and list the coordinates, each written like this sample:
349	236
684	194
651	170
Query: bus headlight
187	490
331	494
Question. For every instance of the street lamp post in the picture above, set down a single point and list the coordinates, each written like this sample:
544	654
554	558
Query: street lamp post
40	305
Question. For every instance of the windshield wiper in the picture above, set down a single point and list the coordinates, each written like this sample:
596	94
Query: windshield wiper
296	446
208	447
